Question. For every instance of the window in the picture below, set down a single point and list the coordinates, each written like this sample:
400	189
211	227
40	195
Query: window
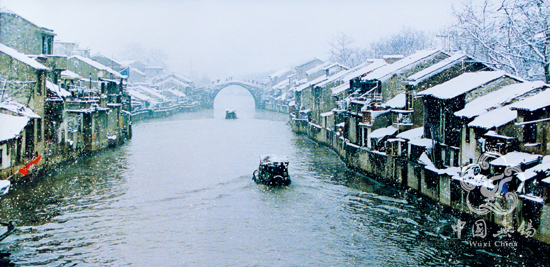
530	133
39	130
46	45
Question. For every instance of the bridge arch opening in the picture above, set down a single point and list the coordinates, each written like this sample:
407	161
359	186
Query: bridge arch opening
237	98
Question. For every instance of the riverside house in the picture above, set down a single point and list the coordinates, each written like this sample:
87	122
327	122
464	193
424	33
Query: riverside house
367	108
22	102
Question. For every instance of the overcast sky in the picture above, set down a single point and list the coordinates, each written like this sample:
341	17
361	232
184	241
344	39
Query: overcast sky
229	38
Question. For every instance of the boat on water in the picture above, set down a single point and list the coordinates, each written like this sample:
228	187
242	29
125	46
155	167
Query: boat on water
111	140
273	170
230	114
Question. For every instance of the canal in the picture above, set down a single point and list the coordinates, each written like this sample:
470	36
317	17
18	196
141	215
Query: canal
180	194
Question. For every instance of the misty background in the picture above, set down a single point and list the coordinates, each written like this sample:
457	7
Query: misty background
218	39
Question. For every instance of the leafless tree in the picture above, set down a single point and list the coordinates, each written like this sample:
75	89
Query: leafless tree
513	35
157	57
343	51
405	42
150	56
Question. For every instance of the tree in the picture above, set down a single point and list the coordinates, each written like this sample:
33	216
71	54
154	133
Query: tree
405	42
343	51
150	56
157	57
513	35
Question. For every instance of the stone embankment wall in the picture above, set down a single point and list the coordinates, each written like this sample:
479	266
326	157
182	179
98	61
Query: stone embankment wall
399	171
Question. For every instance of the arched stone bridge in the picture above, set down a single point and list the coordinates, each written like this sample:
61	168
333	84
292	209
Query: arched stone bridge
256	90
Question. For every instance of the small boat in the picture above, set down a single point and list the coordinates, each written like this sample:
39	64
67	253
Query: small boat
11	229
230	114
4	187
111	140
273	170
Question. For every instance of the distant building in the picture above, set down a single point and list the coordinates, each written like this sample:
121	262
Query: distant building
152	72
107	61
302	68
69	49
23	35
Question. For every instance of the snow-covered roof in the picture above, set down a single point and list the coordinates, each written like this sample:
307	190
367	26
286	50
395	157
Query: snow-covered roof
437	68
477	180
135	94
309	61
386	72
7	11
172	80
335	77
515	159
151	92
532	172
538	101
398	102
284	83
383	132
393	56
54	88
497	98
318	68
496	135
130	62
311	83
451	171
423	142
11	126
283	96
176	92
22	57
97	65
340	88
106	57
415	133
176	76
67	74
424	159
358	71
279	73
494	118
462	84
365	68
17	108
137	71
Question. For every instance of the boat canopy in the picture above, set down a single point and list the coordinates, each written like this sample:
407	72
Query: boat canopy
267	159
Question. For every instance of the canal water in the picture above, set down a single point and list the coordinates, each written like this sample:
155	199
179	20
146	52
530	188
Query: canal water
180	194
